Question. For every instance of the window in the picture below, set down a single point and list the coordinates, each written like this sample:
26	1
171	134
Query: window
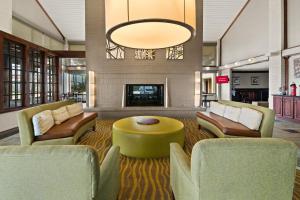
28	74
78	85
209	55
13	75
35	77
51	79
78	81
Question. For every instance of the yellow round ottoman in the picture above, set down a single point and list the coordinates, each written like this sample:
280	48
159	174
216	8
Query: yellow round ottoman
147	141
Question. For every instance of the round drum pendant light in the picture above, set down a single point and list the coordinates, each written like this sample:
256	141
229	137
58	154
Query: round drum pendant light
150	24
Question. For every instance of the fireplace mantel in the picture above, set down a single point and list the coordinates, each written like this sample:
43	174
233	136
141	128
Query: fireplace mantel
116	113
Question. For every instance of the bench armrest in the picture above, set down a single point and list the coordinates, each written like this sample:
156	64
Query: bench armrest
180	173
109	183
180	159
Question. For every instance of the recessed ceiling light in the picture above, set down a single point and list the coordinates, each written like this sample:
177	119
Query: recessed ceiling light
251	59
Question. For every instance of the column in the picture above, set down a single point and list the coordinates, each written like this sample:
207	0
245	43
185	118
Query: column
276	45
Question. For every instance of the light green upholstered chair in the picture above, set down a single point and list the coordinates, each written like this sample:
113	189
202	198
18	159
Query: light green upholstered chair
58	173
234	169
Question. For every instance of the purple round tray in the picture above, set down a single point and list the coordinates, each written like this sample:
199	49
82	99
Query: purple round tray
147	121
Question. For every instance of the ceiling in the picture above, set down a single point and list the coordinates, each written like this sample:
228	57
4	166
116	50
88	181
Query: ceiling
217	17
263	66
69	16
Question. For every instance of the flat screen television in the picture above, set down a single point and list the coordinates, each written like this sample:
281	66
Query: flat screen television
144	95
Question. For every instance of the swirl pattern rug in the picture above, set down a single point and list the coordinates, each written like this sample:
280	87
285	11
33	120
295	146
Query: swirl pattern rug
148	179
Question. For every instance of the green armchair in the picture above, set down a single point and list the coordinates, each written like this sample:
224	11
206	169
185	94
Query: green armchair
58	172
234	169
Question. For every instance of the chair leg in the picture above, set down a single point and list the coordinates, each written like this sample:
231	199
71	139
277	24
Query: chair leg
199	127
94	128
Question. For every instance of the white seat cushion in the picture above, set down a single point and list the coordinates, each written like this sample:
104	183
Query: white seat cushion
75	109
42	122
232	113
217	108
251	118
60	115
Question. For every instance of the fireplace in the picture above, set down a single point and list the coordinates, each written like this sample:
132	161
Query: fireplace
144	95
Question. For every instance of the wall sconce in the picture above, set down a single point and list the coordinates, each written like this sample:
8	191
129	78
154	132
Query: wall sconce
92	87
197	89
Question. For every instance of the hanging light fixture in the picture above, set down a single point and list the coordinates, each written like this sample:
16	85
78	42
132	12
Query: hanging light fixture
150	24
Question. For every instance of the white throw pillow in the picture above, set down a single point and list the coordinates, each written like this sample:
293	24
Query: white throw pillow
75	109
42	122
217	108
232	113
60	115
251	118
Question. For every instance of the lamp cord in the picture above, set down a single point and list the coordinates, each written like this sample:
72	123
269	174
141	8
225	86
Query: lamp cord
184	10
128	9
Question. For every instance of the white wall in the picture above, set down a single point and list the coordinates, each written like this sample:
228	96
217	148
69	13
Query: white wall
35	36
293	36
276	76
248	37
259	31
8	121
276	26
77	47
30	12
245	80
226	88
6	15
276	63
293	23
292	77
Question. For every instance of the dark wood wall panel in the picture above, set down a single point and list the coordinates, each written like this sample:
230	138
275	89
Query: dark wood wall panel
287	107
297	108
278	105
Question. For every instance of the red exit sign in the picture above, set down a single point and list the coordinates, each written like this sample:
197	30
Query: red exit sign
222	79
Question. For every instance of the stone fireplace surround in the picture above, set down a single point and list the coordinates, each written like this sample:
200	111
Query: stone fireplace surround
179	101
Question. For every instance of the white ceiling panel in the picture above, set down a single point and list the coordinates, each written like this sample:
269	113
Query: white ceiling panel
69	16
218	15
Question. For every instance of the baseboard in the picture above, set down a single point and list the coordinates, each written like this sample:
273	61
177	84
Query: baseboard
9	132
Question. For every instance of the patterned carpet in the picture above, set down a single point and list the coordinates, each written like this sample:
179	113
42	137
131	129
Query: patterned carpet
148	179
